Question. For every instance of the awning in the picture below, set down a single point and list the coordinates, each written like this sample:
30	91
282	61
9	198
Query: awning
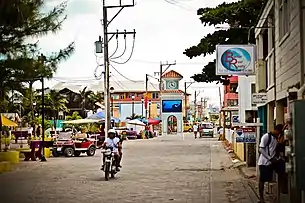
7	122
82	121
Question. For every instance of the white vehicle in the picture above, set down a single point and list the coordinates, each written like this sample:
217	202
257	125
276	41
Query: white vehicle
206	129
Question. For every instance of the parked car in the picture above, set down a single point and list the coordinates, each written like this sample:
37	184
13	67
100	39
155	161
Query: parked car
187	127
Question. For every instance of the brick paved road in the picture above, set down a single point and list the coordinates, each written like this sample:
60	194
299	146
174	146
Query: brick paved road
165	169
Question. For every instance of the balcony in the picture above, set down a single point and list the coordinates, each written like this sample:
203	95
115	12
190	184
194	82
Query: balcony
230	96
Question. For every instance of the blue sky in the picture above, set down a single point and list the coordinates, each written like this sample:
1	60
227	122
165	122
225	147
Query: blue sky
164	31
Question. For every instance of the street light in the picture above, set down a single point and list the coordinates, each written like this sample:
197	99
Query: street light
132	97
142	100
111	89
149	105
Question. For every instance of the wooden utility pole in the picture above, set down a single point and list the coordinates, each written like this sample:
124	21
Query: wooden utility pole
201	108
106	40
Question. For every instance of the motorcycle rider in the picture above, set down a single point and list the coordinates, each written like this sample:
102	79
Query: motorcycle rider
113	142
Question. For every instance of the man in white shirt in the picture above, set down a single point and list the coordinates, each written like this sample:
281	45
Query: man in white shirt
267	149
112	142
195	130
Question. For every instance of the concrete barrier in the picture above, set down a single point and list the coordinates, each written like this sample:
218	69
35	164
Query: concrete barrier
10	156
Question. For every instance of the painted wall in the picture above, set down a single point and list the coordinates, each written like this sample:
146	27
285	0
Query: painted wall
125	110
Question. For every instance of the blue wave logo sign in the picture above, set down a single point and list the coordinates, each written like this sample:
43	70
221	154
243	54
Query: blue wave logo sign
236	59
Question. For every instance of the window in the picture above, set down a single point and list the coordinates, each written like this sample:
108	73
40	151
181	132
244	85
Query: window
115	96
253	90
155	95
233	87
283	18
232	102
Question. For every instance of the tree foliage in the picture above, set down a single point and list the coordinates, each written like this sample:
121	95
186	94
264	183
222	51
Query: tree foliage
21	62
240	16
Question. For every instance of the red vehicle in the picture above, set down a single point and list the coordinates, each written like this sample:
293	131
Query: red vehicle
74	147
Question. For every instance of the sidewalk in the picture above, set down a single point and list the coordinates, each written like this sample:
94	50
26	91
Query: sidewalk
249	173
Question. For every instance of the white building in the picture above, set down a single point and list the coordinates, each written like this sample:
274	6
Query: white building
246	87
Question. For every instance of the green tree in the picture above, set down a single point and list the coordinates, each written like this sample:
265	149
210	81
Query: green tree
75	116
55	102
84	96
240	16
21	61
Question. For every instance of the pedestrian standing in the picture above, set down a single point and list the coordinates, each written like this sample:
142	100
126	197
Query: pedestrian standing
268	158
195	130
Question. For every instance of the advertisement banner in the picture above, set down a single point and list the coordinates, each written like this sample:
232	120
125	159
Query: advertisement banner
235	59
246	135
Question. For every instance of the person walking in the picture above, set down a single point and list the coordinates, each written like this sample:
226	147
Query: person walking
268	158
195	129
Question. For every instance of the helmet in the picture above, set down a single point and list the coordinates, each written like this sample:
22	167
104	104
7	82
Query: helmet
111	131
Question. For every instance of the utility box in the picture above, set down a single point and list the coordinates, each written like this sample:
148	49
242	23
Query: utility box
297	110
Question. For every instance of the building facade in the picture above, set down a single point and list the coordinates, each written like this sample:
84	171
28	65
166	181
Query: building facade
280	64
230	102
280	70
127	97
247	110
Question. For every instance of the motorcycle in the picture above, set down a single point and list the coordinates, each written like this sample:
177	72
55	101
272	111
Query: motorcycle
110	163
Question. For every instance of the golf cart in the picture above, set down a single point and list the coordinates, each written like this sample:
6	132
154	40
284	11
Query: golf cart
74	147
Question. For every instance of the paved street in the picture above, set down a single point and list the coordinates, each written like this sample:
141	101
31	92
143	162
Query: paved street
165	169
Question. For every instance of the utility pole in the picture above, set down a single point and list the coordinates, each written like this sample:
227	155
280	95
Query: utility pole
220	105
146	92
106	23
163	71
146	95
195	104
201	108
186	86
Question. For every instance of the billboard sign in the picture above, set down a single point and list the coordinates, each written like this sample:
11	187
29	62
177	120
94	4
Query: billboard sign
246	135
235	59
259	98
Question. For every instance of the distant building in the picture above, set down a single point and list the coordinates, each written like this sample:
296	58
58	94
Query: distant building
127	97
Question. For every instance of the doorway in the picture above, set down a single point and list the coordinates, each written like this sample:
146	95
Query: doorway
172	125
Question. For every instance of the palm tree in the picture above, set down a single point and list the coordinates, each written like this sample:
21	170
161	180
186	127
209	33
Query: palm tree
56	102
93	98
84	96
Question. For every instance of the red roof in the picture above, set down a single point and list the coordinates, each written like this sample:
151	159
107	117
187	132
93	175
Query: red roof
172	74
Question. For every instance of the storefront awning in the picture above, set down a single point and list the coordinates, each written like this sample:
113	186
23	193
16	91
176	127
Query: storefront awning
7	122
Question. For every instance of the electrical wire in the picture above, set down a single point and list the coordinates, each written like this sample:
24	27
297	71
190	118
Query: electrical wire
132	50
96	70
119	83
178	4
125	48
153	85
117	46
156	62
122	74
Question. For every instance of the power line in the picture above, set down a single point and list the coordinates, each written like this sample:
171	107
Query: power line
122	74
158	62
